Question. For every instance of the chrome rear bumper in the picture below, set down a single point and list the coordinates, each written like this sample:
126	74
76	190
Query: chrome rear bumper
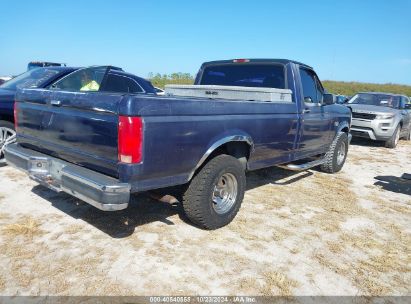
99	190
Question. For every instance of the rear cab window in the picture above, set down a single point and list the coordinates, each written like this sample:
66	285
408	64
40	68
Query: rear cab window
245	75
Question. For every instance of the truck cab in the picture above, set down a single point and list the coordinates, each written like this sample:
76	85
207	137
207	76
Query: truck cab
318	116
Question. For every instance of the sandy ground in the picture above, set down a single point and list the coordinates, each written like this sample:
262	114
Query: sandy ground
305	233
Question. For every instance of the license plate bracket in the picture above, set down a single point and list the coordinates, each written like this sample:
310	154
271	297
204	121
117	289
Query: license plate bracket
39	166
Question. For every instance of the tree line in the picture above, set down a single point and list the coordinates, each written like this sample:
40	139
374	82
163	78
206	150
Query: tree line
335	87
160	80
351	88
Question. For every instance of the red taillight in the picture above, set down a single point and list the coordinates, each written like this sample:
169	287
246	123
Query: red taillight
130	139
241	60
15	116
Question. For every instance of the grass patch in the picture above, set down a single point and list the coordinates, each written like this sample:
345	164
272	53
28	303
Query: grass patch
74	229
276	283
27	227
376	266
2	283
335	247
14	175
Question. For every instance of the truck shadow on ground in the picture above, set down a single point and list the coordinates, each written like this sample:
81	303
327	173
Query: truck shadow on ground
149	207
394	184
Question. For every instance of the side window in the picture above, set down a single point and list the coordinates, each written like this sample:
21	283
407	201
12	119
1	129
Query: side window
308	81
133	86
114	83
404	101
121	84
320	90
88	79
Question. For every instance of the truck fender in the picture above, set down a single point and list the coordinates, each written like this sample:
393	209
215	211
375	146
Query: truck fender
218	143
343	124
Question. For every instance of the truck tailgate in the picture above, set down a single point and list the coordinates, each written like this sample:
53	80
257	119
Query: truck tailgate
79	127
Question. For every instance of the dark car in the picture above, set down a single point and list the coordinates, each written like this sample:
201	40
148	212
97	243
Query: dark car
37	78
341	99
115	80
240	115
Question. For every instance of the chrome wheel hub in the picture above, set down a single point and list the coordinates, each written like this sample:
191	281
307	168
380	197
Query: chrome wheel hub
341	153
7	136
225	193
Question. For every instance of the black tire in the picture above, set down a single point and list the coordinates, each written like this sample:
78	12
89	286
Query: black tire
8	125
408	135
393	141
198	202
332	162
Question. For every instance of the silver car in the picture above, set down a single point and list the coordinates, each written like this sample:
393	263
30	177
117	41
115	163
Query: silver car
381	116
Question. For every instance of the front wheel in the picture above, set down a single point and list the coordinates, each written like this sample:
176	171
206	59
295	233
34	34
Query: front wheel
336	155
408	135
215	194
395	138
7	136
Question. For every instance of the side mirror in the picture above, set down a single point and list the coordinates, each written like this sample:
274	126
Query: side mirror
407	106
328	99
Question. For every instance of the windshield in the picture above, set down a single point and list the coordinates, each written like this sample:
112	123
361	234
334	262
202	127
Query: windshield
245	75
383	100
30	79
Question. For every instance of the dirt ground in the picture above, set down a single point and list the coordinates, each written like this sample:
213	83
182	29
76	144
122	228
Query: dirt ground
306	233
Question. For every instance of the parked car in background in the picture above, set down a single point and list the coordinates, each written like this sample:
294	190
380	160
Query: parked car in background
101	147
116	80
159	91
38	78
381	116
42	64
341	99
3	79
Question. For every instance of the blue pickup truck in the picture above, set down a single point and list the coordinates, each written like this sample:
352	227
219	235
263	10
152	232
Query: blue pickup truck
240	115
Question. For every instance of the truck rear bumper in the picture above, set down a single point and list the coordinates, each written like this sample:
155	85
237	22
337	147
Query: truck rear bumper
99	190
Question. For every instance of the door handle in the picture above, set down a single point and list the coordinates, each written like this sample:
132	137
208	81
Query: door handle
56	103
306	111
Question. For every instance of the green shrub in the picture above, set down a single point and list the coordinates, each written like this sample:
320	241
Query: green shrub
351	88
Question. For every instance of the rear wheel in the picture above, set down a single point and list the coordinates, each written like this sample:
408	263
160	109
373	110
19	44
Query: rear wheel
7	136
337	154
215	194
395	138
